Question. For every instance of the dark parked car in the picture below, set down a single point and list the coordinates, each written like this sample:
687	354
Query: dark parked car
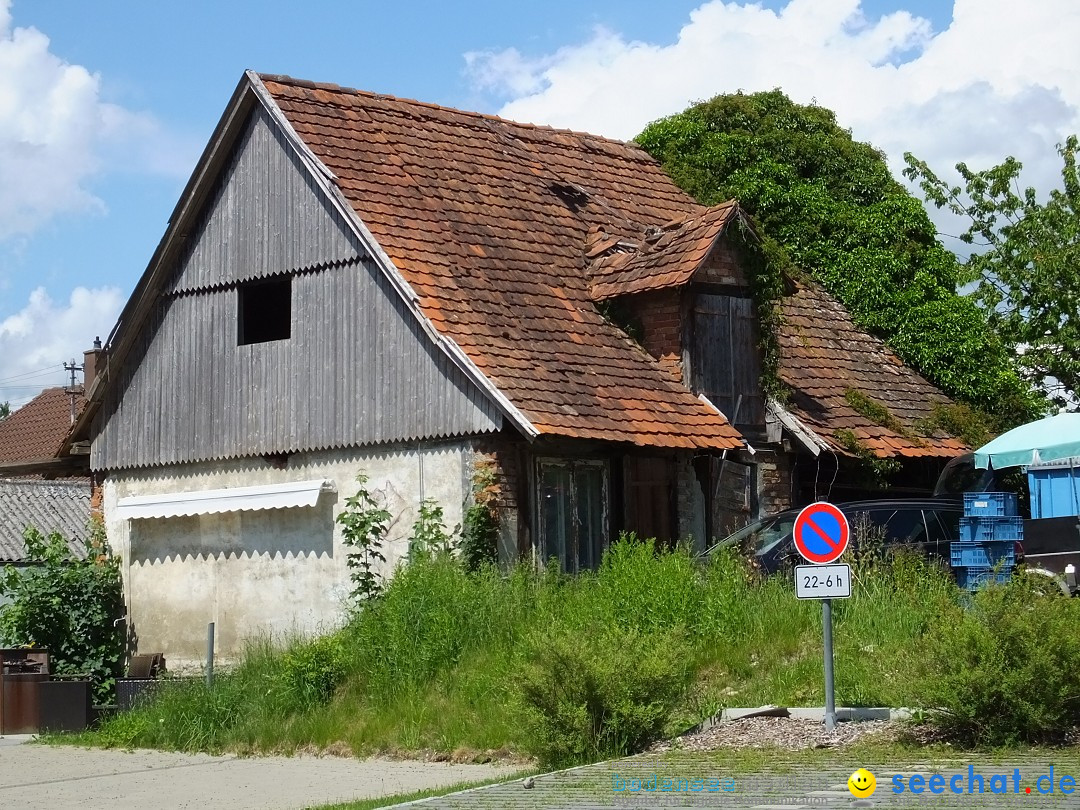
926	525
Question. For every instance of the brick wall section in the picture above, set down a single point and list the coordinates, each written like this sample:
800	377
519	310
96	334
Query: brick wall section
689	503
660	316
506	458
97	493
722	267
774	481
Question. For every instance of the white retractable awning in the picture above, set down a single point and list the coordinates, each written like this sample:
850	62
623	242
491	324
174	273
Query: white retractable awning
233	499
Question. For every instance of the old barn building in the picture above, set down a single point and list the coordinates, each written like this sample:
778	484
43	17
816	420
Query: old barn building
352	283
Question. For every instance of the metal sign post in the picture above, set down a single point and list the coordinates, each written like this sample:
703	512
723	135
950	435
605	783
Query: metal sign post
821	536
830	694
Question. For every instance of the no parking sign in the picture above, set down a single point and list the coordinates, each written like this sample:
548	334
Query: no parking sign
821	533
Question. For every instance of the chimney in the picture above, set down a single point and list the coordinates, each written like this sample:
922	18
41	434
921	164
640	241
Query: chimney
92	360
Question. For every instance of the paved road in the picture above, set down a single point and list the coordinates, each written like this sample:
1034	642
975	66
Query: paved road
39	776
611	786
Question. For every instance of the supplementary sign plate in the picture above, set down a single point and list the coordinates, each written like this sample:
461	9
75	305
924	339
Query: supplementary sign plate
823	581
821	533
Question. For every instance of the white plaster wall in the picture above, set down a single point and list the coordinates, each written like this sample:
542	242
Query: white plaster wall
277	572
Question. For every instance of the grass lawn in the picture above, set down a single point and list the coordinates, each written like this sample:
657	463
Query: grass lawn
438	663
566	670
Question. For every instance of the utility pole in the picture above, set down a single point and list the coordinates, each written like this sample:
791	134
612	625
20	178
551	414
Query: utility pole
71	390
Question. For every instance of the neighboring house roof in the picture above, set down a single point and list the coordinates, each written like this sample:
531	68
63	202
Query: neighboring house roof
488	221
666	257
47	506
824	355
39	428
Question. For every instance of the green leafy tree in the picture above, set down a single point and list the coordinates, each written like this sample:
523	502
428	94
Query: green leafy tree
834	207
1029	272
67	606
429	533
364	524
5	410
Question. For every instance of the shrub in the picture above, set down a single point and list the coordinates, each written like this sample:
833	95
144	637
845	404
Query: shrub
1007	668
480	522
602	695
311	671
363	527
68	606
429	534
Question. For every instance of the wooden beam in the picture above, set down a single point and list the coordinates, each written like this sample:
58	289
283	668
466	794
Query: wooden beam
47	467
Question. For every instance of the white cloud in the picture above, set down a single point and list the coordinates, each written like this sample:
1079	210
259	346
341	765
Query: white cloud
56	132
1002	79
45	334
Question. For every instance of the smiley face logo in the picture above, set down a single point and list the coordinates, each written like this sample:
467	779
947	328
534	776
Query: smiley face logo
862	784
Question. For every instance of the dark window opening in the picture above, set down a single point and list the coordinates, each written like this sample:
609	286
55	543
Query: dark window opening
265	310
650	498
573	513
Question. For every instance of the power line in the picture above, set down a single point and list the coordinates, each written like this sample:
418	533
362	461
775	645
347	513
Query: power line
41	371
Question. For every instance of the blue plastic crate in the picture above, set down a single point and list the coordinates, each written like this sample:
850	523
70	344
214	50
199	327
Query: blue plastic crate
983	529
976	577
989	504
983	555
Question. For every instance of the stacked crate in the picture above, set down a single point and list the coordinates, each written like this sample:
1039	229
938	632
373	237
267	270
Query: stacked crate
989	532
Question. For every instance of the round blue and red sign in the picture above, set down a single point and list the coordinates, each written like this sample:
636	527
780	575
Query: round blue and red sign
821	533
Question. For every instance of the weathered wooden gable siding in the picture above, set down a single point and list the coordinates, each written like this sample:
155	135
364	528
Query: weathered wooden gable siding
357	370
266	215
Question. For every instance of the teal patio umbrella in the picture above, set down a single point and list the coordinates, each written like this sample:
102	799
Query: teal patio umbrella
1051	439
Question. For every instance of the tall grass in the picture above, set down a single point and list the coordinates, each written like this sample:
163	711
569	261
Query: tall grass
440	659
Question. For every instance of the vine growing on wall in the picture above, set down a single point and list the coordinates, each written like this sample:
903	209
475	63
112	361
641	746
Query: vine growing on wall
765	262
840	215
364	524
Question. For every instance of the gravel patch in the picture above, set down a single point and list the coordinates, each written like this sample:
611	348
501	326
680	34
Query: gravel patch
779	732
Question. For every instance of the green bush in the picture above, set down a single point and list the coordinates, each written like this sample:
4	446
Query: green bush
1006	669
68	607
645	588
602	695
311	671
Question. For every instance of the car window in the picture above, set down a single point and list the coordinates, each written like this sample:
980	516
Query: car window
772	534
960	476
889	526
943	527
761	535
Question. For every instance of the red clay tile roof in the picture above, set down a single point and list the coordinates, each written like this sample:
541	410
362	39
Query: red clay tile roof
38	429
488	222
668	259
823	355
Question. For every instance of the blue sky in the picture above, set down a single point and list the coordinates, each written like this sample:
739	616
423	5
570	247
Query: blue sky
116	141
